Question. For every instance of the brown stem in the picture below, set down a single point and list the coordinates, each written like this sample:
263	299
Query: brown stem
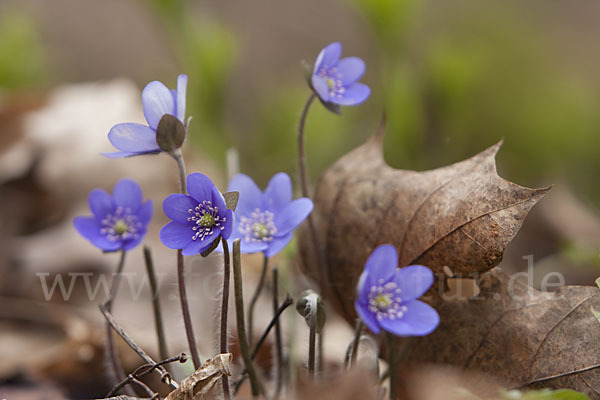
118	374
392	368
135	347
357	333
185	308
305	193
255	296
311	351
224	309
158	321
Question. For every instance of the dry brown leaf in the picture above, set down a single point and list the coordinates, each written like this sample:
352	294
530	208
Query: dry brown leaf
200	385
461	216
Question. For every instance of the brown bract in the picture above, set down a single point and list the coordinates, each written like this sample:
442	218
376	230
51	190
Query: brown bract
461	217
201	384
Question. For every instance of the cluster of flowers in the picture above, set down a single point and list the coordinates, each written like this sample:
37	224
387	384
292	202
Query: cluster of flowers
263	221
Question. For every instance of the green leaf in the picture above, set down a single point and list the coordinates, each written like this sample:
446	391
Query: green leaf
598	282
596	313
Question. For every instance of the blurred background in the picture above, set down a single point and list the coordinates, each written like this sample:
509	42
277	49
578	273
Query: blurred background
453	78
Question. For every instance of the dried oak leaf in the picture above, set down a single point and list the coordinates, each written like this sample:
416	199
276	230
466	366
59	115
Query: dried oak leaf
201	384
461	216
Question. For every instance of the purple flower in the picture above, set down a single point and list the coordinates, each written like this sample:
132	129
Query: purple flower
386	295
266	221
157	100
199	218
119	221
335	80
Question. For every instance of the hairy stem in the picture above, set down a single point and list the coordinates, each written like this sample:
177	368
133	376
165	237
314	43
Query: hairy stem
224	309
392	368
357	333
241	328
255	297
311	351
278	348
118	374
158	321
286	303
305	193
185	308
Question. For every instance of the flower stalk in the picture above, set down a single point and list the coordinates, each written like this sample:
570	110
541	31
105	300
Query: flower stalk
239	307
158	321
255	296
224	311
185	307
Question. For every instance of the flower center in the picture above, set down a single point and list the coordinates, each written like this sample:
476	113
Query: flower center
385	301
121	225
205	217
258	227
334	81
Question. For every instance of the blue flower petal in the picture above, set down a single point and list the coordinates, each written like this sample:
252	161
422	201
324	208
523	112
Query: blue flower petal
420	319
226	233
292	215
175	235
252	247
131	243
251	197
182	81
320	86
101	203
354	94
157	101
363	287
176	207
123	154
381	264
278	192
277	244
89	228
351	69
198	246
367	317
218	201
127	194
145	212
132	138
328	56
200	187
413	281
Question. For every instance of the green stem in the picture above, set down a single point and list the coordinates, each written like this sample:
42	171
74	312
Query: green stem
255	296
239	307
311	351
224	310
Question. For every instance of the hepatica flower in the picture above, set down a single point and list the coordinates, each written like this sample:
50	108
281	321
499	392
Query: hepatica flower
199	218
335	80
266	221
387	296
133	139
119	221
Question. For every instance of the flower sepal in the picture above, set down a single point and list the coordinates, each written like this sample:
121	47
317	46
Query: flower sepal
310	306
231	199
308	73
212	248
170	133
